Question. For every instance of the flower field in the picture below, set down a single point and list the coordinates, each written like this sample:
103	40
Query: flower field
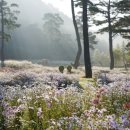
41	98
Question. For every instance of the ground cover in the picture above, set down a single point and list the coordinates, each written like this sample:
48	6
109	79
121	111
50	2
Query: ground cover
33	97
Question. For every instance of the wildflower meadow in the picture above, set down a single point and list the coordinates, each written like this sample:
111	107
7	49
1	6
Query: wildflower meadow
40	98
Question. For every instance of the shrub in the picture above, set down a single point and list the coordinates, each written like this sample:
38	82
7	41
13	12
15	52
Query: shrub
61	69
69	68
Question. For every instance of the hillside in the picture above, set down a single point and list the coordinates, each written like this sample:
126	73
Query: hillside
29	42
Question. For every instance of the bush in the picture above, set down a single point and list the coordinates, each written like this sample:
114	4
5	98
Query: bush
61	69
69	68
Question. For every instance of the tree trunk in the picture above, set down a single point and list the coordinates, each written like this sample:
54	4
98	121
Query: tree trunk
76	63
110	39
2	36
87	60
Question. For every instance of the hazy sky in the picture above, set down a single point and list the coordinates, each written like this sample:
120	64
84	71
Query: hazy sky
62	5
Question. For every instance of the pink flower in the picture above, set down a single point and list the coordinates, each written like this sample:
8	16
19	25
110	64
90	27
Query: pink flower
98	95
87	113
102	90
126	105
95	101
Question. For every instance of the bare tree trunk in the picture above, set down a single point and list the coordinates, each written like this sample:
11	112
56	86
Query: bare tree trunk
77	59
2	36
110	39
87	60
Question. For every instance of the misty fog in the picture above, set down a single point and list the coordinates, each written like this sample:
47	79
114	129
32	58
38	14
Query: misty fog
29	41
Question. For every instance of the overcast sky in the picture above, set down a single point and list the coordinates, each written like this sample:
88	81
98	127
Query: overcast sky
62	5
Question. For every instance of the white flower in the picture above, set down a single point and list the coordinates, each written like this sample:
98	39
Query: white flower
47	97
39	113
19	100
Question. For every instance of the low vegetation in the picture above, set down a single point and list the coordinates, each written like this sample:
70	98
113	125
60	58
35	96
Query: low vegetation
39	98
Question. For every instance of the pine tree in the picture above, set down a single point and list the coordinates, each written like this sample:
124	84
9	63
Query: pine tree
109	16
76	63
8	22
78	24
87	60
123	24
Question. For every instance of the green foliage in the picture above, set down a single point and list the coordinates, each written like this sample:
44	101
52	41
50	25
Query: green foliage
93	9
123	6
69	68
121	25
101	8
61	69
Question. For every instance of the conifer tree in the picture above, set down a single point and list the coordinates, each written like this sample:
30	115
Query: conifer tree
8	22
87	60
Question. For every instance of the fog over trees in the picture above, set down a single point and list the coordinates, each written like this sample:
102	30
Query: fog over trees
53	38
30	41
